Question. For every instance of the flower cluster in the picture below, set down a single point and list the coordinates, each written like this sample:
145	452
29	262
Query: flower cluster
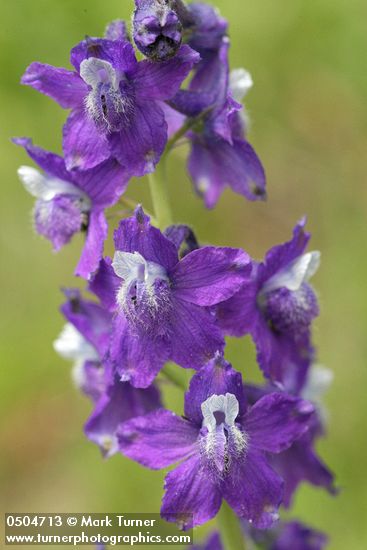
163	297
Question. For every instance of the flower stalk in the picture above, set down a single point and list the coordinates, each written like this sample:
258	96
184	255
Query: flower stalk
230	529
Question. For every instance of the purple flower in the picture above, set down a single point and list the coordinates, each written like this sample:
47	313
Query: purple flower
277	308
157	27
221	446
69	202
85	340
220	155
114	102
162	304
300	462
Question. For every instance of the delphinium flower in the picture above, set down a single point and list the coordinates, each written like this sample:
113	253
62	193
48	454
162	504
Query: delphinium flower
220	153
114	102
85	340
221	445
69	201
162	303
277	308
301	462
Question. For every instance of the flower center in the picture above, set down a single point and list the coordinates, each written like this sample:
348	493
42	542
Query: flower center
145	294
291	311
287	300
222	439
105	103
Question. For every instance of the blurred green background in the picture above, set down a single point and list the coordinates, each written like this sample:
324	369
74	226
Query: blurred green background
308	109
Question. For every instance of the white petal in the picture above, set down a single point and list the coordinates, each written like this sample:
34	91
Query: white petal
319	381
231	409
296	273
73	346
96	71
129	266
226	404
45	187
240	82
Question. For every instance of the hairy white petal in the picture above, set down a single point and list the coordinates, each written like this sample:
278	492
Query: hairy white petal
226	404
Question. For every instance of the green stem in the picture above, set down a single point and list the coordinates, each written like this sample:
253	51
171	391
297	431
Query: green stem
158	191
230	529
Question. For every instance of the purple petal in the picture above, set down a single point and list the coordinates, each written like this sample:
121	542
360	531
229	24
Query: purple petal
49	162
120	403
93	247
173	119
140	143
195	337
215	163
297	536
162	80
89	318
118	53
92	379
210	275
277	420
65	87
217	377
183	238
190	492
239	315
281	255
83	146
105	284
254	490
136	358
136	234
189	104
206	174
301	463
117	30
58	219
282	358
158	439
104	183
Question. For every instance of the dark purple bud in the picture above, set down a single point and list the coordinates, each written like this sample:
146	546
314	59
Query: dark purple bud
183	237
157	28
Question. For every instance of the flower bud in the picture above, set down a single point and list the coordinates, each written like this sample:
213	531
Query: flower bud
157	28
